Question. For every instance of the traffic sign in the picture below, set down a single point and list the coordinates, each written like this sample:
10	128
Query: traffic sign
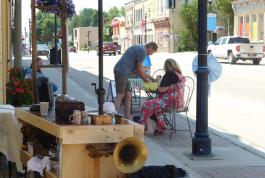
211	22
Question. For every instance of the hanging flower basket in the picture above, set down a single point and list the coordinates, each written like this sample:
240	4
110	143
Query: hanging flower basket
70	7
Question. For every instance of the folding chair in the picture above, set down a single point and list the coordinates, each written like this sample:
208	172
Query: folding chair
188	89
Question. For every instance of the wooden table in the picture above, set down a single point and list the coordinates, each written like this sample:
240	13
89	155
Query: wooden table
74	159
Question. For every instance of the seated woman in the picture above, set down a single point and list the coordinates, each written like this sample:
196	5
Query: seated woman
39	63
152	109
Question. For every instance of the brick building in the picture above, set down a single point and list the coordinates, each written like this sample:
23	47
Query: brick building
85	36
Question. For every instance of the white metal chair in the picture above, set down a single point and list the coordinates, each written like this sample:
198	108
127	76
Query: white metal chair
174	109
136	87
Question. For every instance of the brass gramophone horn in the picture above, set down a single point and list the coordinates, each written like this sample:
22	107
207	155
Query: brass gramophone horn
129	155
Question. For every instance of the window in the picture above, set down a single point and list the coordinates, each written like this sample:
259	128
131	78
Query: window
218	41
261	26
238	40
138	15
223	41
75	33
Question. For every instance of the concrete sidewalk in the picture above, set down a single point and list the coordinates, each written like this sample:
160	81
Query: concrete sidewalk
231	157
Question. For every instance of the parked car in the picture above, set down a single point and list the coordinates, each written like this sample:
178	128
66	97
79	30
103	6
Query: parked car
43	50
72	49
234	48
109	48
118	48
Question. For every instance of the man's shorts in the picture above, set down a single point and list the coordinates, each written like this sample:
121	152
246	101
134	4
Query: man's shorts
122	83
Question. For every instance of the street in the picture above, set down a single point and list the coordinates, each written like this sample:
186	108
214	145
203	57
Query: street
235	105
236	101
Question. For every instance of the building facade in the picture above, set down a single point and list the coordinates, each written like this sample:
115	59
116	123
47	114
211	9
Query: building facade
118	30
249	19
153	20
85	37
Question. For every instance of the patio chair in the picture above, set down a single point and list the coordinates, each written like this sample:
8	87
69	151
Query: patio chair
136	87
158	72
174	109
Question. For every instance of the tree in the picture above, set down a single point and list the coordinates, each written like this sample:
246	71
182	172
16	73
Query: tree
189	31
45	26
88	17
225	12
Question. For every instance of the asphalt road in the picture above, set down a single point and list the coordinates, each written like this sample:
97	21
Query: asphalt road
236	105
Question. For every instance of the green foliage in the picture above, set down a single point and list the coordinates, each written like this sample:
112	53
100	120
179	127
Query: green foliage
225	12
189	31
84	48
45	25
88	17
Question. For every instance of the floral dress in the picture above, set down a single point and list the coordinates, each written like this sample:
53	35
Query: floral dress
157	105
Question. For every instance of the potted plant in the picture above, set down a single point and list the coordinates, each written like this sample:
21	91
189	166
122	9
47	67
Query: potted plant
19	90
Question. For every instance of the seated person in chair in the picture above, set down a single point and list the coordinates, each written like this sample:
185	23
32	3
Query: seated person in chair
39	74
152	109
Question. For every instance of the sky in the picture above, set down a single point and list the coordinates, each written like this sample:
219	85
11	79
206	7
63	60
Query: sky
79	4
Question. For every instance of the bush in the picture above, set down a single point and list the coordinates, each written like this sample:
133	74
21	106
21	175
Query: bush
19	90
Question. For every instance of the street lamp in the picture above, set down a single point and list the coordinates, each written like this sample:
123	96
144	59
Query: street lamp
201	142
210	4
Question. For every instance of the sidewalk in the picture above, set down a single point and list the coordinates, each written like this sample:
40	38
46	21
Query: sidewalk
231	157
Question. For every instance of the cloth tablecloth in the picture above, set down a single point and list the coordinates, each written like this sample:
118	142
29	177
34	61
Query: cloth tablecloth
10	135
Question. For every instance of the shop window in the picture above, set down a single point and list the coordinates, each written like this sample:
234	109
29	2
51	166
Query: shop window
261	26
247	27
241	26
254	28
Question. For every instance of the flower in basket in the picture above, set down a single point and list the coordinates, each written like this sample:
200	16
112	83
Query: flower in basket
19	90
70	7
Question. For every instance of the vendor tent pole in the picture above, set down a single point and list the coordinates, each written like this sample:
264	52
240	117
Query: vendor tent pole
100	91
64	47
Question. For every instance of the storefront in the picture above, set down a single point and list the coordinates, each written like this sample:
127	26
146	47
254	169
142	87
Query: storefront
162	34
249	19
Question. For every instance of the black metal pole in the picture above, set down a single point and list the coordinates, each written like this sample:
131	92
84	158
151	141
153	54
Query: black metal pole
55	32
100	91
201	142
55	40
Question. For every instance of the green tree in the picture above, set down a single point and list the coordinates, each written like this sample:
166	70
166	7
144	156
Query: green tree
108	17
189	31
45	26
225	12
88	17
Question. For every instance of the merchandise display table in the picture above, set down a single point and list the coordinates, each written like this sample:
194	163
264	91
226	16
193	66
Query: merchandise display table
74	159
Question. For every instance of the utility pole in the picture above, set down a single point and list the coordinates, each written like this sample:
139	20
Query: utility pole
17	35
201	142
145	28
29	35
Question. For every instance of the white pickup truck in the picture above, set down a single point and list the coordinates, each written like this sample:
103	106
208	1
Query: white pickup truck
234	48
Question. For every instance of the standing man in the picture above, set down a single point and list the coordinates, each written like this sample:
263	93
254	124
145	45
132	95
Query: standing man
129	63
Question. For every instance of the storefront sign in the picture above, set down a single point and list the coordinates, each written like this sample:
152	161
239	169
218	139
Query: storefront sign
211	22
